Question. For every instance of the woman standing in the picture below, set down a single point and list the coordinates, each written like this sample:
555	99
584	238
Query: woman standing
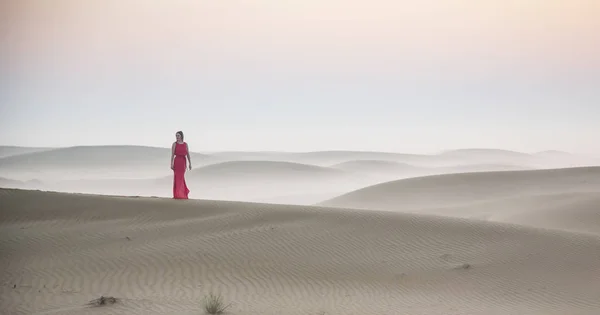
179	152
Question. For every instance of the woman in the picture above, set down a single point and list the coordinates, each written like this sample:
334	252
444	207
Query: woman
179	151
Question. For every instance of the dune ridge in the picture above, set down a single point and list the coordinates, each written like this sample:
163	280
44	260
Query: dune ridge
261	167
24	157
465	188
8	150
161	256
232	180
91	162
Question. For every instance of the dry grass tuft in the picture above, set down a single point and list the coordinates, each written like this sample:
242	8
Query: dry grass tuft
213	304
103	300
464	266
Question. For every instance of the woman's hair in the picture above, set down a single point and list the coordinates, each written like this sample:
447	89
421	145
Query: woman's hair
180	133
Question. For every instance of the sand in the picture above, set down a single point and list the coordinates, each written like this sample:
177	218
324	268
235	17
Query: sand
464	189
162	256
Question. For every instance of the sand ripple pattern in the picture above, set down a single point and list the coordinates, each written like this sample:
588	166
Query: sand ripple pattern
162	256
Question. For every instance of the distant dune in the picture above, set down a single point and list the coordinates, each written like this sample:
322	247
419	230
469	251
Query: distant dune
160	256
395	170
262	168
89	156
6	151
465	188
91	162
544	159
147	162
6	182
250	176
554	154
12	183
486	153
479	156
237	180
335	157
268	181
252	156
561	158
377	166
320	158
470	168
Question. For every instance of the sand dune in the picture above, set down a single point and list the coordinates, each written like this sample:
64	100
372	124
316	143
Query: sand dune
253	168
297	177
553	158
393	169
574	211
336	157
466	188
266	181
6	151
11	183
564	199
377	166
7	182
486	153
162	256
577	212
252	156
91	162
470	168
269	181
319	158
546	159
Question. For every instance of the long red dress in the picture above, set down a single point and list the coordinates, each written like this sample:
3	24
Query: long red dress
180	189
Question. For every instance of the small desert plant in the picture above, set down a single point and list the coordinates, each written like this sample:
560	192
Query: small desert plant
103	300
464	266
213	304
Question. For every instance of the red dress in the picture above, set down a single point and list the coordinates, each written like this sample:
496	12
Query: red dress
180	189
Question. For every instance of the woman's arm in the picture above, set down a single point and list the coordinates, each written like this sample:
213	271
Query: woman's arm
172	154
188	155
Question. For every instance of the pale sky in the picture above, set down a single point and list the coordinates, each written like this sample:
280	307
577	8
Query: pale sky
304	75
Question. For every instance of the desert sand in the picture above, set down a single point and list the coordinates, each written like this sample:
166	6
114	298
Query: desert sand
340	232
162	256
466	188
563	199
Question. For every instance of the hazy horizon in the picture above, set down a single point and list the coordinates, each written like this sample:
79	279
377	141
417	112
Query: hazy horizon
393	76
482	149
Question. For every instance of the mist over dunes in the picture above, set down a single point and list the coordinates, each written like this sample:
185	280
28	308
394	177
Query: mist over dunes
389	170
379	166
90	162
253	168
234	180
297	177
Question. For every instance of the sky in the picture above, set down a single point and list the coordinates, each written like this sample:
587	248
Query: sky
282	75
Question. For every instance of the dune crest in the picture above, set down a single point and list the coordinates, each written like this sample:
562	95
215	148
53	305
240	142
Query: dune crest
260	167
465	188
